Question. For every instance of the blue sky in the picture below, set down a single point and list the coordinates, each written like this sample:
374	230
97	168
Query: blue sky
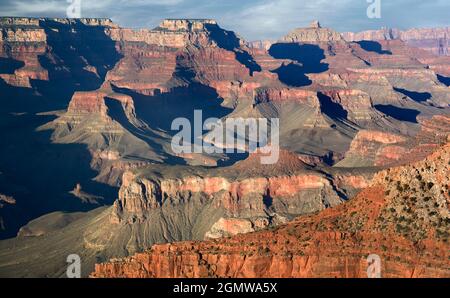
252	19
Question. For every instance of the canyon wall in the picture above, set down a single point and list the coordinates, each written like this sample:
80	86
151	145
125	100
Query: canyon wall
248	203
409	231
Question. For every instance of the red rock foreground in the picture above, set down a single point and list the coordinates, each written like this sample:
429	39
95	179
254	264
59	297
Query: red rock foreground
403	217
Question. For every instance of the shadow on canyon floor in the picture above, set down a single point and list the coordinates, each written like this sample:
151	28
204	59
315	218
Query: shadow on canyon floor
401	114
444	80
158	112
116	112
373	46
46	172
9	65
416	96
307	59
330	108
79	60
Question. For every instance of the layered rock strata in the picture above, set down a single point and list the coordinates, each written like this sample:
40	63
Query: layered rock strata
407	230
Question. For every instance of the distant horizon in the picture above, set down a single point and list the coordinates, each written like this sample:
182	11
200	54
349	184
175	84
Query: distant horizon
252	19
218	22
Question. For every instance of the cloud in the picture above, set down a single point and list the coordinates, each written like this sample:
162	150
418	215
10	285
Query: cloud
34	7
252	19
276	18
51	7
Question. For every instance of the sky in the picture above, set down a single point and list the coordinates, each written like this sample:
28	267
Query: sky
251	19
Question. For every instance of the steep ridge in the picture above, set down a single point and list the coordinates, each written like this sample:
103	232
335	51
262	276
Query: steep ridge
407	229
5	200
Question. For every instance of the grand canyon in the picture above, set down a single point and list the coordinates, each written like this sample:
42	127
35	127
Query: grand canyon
87	167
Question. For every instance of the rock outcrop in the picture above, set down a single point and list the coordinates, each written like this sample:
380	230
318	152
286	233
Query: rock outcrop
4	200
313	34
368	147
